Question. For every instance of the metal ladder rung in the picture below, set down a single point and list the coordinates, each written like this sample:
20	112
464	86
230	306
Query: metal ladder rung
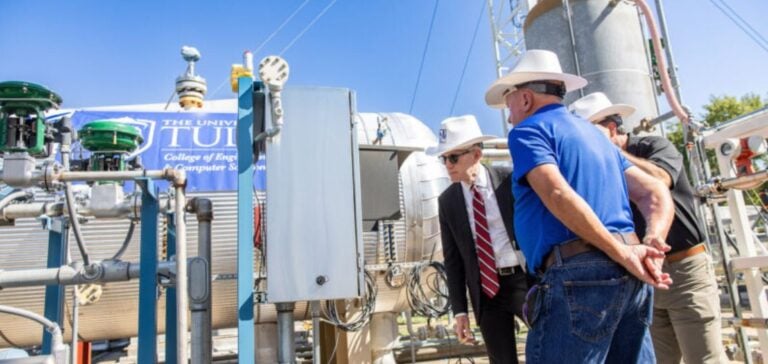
755	323
746	263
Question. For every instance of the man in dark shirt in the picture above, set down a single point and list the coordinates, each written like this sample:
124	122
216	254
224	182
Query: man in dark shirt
686	320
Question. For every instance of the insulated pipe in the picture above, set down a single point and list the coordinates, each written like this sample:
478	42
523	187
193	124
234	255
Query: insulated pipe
285	346
719	185
12	196
36	209
105	271
178	177
181	270
666	83
668	48
200	303
57	343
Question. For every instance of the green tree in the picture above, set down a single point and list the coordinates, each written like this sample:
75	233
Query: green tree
724	108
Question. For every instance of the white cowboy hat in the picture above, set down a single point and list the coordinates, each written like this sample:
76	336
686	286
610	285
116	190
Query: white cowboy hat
458	132
534	65
595	107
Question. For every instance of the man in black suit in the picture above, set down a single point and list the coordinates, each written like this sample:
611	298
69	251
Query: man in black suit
478	240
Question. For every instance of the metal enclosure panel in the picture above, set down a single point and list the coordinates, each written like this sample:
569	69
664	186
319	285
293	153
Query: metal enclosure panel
314	235
381	188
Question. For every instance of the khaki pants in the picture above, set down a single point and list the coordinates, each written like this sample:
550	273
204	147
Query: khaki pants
686	318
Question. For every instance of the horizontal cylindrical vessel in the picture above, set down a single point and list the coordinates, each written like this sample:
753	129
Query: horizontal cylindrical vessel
416	237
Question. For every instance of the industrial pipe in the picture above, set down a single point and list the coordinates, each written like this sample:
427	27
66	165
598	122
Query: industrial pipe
13	196
105	271
286	351
646	125
738	183
200	283
666	83
177	177
182	303
131	205
58	350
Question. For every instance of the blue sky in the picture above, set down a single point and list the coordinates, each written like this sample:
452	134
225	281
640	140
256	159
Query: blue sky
124	52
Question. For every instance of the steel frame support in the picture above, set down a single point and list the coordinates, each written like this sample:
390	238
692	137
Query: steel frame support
245	329
171	336
54	294
148	293
506	19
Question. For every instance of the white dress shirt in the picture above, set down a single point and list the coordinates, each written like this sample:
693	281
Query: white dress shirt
503	250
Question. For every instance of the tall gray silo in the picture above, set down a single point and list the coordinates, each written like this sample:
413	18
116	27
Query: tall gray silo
603	41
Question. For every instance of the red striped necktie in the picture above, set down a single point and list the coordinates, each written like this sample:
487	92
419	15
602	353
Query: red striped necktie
489	279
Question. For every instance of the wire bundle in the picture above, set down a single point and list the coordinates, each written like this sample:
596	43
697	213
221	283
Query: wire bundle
432	302
361	318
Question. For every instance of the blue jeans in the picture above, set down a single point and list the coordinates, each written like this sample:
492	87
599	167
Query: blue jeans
589	309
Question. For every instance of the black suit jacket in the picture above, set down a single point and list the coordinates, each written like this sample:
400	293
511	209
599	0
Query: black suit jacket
459	251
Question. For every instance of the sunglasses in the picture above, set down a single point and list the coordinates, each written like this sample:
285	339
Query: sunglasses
453	158
615	118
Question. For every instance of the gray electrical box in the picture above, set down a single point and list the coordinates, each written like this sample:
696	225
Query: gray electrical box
314	216
380	183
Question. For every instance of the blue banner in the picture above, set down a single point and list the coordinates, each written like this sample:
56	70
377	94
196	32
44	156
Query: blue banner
202	144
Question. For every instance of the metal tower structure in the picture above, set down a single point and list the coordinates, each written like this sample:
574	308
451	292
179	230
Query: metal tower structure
507	18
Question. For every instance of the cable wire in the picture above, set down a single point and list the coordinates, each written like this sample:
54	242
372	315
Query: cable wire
754	31
281	26
420	301
75	223
126	241
295	39
360	319
272	35
466	59
423	56
741	26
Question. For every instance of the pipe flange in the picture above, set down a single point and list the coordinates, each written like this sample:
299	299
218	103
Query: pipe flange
92	272
51	172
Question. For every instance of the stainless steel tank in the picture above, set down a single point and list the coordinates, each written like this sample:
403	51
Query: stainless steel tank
115	314
608	48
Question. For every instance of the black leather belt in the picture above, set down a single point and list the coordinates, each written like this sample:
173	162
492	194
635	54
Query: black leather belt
508	271
579	246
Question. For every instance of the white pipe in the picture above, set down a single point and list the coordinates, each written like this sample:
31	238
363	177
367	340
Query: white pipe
12	196
75	325
36	209
176	176
181	274
57	342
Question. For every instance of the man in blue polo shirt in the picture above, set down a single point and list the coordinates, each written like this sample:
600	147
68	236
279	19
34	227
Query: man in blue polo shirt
574	223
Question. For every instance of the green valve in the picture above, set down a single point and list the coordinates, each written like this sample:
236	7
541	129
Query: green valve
22	118
112	136
109	142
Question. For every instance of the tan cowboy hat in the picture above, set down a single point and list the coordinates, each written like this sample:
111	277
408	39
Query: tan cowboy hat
534	65
458	132
595	107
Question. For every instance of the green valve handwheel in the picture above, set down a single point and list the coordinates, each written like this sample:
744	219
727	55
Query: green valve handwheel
12	92
110	136
22	118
